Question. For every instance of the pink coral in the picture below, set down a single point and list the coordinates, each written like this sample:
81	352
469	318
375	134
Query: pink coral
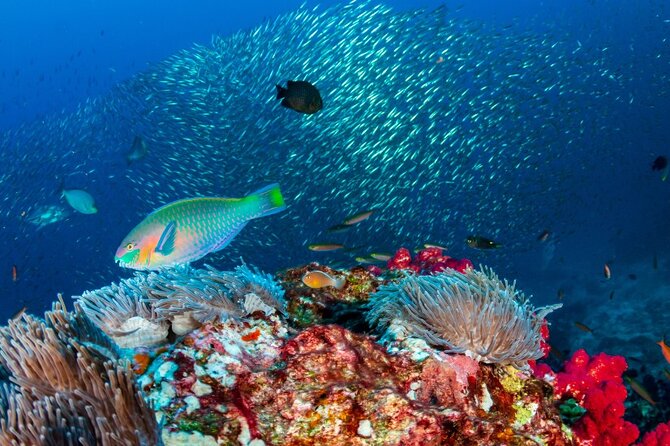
658	437
427	261
596	384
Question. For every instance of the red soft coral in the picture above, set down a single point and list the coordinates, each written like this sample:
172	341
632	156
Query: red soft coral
427	261
658	437
596	384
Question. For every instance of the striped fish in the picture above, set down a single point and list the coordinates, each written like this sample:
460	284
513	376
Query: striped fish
187	230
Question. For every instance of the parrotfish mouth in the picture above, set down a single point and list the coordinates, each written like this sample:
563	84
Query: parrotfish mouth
129	259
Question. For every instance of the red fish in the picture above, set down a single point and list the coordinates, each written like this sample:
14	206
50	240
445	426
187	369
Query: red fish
15	273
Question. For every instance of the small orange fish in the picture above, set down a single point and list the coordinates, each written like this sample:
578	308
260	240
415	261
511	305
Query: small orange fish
640	390
141	361
665	349
583	327
319	279
607	271
15	273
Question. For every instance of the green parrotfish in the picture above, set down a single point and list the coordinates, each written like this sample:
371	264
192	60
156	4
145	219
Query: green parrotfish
187	230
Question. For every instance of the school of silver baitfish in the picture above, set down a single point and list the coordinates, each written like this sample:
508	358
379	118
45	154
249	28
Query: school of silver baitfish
444	127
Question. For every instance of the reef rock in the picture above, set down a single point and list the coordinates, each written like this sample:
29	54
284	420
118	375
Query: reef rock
248	382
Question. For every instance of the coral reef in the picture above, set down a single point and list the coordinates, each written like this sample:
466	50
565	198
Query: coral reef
239	382
472	312
308	306
239	358
596	385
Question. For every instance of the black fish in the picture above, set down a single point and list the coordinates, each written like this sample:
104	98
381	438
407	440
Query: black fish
475	241
300	96
659	163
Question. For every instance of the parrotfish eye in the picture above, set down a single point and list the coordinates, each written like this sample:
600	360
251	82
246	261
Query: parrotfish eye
130	246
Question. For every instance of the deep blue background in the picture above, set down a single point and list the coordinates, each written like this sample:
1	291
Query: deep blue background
53	55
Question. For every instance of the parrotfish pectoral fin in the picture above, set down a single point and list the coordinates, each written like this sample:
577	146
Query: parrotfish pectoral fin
269	200
165	244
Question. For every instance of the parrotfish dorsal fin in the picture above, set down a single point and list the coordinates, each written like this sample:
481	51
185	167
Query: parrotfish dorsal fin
165	244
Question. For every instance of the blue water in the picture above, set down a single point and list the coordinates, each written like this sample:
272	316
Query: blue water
593	186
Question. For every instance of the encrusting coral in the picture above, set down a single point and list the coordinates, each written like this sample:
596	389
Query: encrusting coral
251	368
471	312
65	391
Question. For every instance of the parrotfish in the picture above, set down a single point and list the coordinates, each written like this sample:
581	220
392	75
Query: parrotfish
80	200
187	230
319	279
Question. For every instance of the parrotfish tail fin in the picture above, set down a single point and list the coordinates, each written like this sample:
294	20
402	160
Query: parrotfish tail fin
339	283
281	91
269	200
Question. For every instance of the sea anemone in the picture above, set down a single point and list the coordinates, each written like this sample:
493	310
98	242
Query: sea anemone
473	313
189	297
253	289
121	312
136	311
63	392
208	295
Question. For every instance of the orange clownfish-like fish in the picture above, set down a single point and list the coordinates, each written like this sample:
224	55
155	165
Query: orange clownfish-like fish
320	279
